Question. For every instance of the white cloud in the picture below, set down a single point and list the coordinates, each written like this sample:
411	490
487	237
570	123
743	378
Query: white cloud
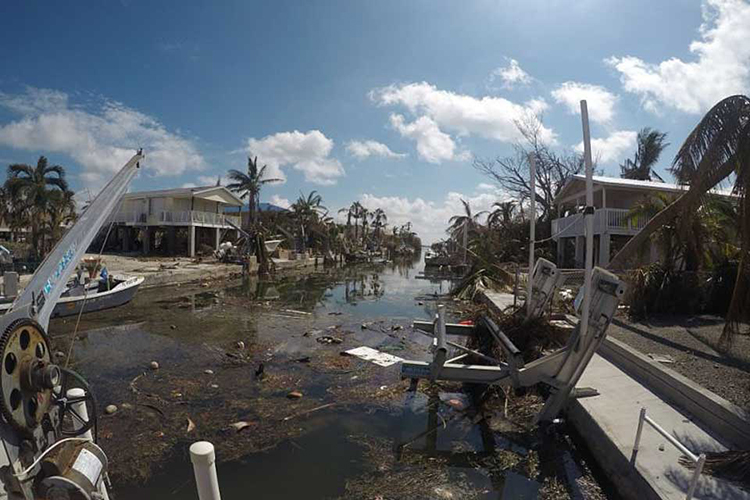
483	186
600	101
306	152
101	137
433	145
210	180
440	112
611	149
365	149
429	219
511	75
721	66
279	201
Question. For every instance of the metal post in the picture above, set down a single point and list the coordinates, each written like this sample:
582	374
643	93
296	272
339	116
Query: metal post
588	219
204	466
696	475
532	231
638	436
515	287
466	238
441	350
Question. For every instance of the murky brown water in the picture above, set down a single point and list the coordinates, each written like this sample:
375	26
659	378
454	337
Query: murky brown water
376	440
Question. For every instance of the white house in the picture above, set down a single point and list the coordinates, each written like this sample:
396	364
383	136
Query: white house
613	200
175	220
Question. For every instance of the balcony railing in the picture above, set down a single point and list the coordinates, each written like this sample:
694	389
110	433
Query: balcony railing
177	218
613	220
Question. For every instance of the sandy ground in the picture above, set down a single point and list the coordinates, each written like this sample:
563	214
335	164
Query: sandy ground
693	345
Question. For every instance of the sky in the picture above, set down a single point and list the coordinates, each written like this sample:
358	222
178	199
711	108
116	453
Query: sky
384	102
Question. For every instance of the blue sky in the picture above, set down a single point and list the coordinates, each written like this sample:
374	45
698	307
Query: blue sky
385	102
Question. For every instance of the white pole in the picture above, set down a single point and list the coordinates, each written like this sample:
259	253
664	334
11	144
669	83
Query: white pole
588	220
532	232
204	466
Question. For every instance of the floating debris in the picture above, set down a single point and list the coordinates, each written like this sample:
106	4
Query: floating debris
190	426
154	365
110	409
374	356
238	426
294	395
328	339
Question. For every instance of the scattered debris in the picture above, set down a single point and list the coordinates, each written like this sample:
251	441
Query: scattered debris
110	409
312	332
173	327
190	426
304	359
240	345
154	365
292	311
307	412
208	372
214	386
397	327
328	339
238	426
294	395
335	313
661	358
374	356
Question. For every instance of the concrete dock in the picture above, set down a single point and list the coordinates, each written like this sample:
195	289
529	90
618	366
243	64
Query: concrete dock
702	422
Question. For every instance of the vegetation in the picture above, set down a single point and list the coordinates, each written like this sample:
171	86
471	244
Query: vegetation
717	150
37	199
248	186
650	144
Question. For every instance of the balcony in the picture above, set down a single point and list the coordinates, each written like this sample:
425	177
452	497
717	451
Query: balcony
175	218
606	220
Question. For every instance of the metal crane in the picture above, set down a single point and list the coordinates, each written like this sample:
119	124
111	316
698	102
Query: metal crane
47	450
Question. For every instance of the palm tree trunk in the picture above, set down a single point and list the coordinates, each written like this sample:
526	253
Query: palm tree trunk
681	205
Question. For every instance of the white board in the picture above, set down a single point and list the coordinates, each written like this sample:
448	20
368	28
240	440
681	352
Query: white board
374	356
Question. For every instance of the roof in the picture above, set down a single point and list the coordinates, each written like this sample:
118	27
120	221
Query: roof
214	193
576	184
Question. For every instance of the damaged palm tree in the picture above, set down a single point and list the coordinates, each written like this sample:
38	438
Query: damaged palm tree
717	149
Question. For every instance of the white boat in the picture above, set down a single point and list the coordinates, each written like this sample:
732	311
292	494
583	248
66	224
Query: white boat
95	296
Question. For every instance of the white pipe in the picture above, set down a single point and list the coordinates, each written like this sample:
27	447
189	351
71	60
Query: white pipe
83	412
588	220
204	466
532	232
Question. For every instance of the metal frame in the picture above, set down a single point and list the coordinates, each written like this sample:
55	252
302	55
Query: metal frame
560	370
699	460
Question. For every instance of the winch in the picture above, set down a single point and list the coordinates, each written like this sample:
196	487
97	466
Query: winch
48	413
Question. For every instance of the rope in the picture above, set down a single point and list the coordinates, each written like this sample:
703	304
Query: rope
85	298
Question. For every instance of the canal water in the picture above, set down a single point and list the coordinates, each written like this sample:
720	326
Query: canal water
409	445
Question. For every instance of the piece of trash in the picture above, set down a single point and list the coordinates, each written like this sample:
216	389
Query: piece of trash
154	365
190	426
420	303
661	447
456	400
173	327
335	313
214	386
397	327
327	339
294	395
208	372
374	356
333	327
110	409
296	312
240	345
304	359
238	426
466	322
661	358
365	326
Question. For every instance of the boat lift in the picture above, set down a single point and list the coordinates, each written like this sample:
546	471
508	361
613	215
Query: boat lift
560	370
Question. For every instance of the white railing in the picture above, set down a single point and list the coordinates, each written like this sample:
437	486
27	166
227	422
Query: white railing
699	460
175	217
605	219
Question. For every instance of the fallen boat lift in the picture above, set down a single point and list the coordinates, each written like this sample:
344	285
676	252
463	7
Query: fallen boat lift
560	370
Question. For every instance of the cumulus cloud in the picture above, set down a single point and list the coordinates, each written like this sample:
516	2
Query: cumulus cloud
600	101
279	201
100	136
365	149
440	112
720	68
613	148
511	75
429	219
307	152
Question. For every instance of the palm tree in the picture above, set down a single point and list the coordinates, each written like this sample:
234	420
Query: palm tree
379	221
61	211
31	190
457	222
503	213
308	210
718	147
249	185
365	214
650	144
357	214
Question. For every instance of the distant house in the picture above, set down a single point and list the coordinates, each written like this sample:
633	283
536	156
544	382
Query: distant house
613	200
175	221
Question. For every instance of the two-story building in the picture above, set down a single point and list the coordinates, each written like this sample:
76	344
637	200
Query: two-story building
614	199
175	221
